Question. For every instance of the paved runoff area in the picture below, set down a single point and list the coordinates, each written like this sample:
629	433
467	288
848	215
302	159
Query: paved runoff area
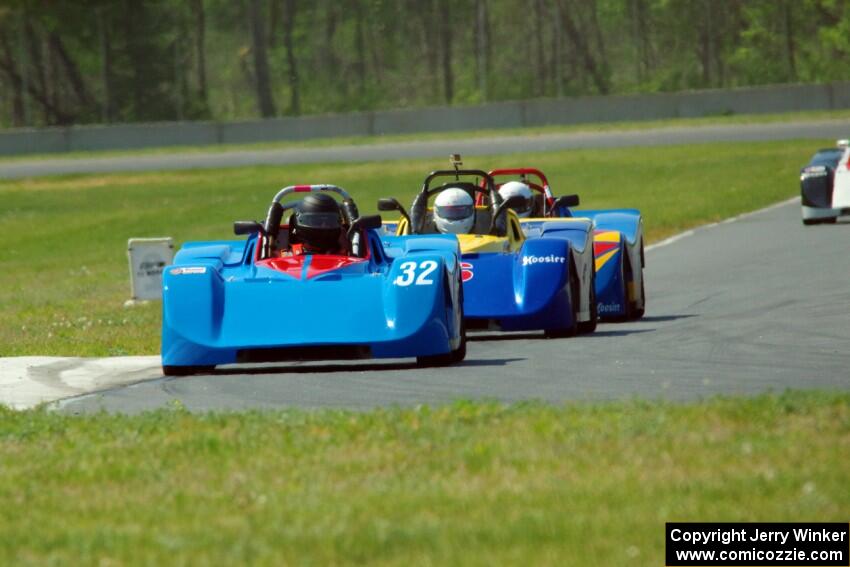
754	304
813	129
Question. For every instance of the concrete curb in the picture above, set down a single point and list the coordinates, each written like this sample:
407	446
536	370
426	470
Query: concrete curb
27	381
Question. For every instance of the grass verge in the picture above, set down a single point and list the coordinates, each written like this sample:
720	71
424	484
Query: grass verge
470	483
718	120
63	239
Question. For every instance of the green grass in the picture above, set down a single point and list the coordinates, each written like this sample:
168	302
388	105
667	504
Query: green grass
63	239
718	120
466	484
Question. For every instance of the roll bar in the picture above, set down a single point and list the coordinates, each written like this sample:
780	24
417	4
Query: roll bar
486	179
310	189
420	202
524	172
271	227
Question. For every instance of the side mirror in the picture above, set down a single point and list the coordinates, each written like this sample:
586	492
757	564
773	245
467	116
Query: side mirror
247	227
566	201
364	223
368	222
391	204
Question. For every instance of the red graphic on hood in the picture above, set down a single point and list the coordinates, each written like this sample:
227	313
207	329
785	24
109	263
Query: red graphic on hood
317	264
292	265
322	263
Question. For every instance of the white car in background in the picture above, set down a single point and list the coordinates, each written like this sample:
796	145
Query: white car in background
825	185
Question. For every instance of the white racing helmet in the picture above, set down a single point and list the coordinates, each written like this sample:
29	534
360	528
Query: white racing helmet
454	211
518	188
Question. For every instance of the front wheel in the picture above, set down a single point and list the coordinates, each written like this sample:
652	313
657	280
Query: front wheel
828	220
186	370
458	354
453	357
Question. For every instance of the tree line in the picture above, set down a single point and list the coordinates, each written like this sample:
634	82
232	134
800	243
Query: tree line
101	61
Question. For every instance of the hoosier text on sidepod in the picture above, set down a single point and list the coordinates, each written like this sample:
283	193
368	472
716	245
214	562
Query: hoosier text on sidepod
550	259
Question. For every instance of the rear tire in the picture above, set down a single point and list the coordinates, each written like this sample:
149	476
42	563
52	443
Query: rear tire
459	353
637	313
560	333
628	304
586	327
186	370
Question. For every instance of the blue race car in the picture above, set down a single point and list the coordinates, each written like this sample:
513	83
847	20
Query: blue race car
617	244
267	299
511	282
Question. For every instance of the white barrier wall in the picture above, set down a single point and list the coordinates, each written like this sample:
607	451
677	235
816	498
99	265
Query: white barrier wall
539	112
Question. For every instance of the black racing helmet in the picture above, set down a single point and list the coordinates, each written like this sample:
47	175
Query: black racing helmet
318	222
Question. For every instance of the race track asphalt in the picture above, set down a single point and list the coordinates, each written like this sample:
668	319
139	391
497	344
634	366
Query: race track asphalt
756	304
178	160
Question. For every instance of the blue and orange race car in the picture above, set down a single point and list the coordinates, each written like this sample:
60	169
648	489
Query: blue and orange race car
511	281
617	242
260	300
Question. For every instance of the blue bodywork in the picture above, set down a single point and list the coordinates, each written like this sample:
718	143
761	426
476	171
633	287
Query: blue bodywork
612	273
516	276
221	307
508	293
525	289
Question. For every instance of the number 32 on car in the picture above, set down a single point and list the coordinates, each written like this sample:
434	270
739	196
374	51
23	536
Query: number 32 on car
413	273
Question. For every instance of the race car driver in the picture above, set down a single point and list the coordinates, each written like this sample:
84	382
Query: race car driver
518	188
454	211
317	226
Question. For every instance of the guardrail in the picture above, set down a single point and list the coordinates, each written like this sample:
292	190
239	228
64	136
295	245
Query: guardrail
538	112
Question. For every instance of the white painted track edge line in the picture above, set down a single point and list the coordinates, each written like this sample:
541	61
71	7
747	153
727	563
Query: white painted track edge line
691	231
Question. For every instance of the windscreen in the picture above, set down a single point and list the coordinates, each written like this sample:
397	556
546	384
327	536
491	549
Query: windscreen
828	157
